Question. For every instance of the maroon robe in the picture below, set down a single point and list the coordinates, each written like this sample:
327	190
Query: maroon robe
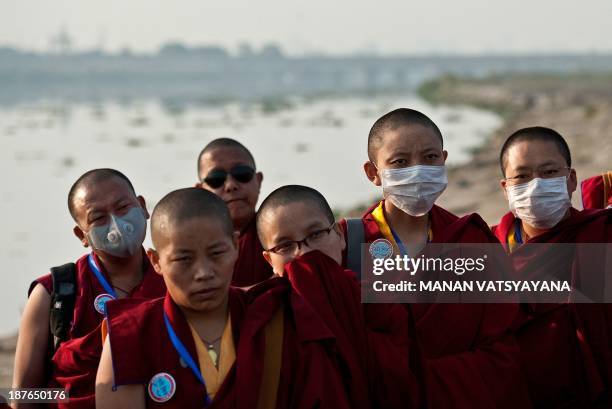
597	191
251	267
313	373
566	349
468	354
75	363
375	334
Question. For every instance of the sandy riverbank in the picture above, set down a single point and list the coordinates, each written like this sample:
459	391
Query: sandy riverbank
7	354
577	106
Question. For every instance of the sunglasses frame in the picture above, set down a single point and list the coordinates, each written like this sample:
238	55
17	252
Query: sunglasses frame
238	170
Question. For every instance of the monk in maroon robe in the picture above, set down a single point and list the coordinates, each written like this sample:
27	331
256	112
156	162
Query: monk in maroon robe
99	200
597	191
227	168
469	356
566	348
207	344
304	244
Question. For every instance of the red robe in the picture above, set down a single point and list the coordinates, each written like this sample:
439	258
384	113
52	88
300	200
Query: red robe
468	354
75	363
566	349
597	191
251	267
313	372
375	334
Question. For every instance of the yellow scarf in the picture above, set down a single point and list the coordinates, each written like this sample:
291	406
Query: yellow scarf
379	217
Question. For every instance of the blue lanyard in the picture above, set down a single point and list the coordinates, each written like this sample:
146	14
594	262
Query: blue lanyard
94	267
400	244
518	237
397	239
185	356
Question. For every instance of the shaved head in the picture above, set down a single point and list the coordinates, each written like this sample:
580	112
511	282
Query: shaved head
535	133
290	194
187	204
394	120
225	143
92	178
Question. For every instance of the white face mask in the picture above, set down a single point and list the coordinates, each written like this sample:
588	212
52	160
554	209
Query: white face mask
414	189
123	236
541	203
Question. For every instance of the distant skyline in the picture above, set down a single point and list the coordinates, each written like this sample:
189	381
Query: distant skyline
339	27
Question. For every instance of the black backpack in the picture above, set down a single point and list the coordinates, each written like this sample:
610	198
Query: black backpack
355	237
62	301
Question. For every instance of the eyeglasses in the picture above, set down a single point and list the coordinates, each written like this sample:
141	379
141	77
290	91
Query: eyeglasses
217	177
546	172
312	240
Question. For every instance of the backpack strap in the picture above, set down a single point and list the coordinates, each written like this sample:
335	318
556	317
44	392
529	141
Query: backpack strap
62	301
355	233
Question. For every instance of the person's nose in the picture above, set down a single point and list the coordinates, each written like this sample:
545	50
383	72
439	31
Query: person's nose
302	249
231	184
204	272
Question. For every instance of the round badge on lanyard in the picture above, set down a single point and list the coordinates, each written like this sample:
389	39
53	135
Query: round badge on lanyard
381	248
100	302
162	387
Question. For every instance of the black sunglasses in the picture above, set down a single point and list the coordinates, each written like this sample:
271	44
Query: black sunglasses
217	177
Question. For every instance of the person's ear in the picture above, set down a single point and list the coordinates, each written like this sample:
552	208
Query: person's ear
444	155
266	256
143	204
572	182
259	179
236	239
372	173
340	233
502	183
203	185
81	236
154	259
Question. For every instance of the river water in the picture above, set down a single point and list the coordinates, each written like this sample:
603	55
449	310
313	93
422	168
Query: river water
47	144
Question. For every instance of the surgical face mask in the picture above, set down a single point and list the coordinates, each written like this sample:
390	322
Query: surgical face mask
414	189
541	203
123	236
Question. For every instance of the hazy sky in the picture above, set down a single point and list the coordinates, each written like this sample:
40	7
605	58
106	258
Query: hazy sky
332	26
